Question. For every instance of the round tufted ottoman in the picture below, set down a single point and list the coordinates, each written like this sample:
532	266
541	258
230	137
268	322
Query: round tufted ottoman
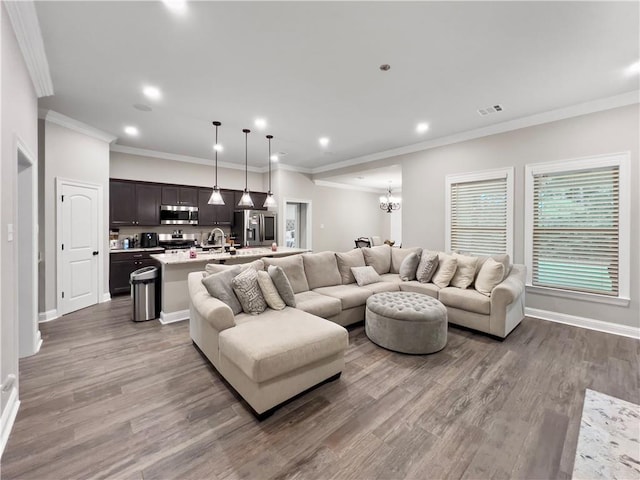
406	322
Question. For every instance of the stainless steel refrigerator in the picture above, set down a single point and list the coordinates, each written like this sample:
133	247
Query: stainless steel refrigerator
255	228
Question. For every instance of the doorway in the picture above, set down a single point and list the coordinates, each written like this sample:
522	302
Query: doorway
79	235
26	244
297	228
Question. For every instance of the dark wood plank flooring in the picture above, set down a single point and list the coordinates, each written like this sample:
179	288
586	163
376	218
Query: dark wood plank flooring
109	398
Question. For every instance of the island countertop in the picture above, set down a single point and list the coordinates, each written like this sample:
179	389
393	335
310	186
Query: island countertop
242	255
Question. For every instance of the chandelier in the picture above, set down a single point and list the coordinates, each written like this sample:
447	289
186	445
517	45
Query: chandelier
389	203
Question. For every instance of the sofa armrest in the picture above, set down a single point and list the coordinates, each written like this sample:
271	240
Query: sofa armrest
215	312
506	292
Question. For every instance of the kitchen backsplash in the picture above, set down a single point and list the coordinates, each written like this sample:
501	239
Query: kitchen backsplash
201	232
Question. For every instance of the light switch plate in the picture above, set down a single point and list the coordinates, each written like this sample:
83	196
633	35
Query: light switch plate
10	232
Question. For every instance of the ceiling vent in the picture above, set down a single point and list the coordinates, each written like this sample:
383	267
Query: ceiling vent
489	110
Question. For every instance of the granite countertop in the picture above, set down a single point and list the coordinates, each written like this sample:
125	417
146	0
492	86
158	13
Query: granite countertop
133	250
182	257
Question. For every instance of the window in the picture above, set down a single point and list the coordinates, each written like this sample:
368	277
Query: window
577	227
479	212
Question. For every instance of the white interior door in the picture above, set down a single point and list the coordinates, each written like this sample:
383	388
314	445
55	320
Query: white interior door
80	247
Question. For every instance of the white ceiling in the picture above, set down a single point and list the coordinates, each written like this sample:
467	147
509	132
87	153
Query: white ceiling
311	69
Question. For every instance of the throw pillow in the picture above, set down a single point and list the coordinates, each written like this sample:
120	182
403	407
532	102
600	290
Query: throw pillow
246	287
399	254
353	258
378	257
408	267
365	275
282	284
465	272
427	266
447	265
502	258
219	285
270	292
489	276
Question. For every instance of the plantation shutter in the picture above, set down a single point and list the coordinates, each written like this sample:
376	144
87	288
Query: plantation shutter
479	216
576	230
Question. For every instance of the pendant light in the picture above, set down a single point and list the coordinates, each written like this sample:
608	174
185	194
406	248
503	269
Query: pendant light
216	197
269	201
246	201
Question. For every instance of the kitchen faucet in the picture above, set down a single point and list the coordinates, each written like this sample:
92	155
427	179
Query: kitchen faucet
214	235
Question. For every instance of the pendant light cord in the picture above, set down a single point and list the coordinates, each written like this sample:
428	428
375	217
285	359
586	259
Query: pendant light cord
216	184
269	137
246	164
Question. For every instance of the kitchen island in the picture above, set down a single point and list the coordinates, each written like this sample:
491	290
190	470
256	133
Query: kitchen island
175	267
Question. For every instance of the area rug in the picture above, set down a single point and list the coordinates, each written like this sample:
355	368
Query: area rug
609	441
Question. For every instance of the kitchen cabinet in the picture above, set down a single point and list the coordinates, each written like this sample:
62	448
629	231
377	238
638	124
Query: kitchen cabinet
179	195
122	264
210	215
257	197
134	203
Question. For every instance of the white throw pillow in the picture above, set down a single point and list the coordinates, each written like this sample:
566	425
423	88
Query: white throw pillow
447	265
269	291
489	276
465	271
365	275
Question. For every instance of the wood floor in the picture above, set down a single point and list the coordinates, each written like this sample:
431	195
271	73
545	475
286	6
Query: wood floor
109	398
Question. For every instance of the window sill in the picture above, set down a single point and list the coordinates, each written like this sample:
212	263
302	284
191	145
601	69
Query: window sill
587	297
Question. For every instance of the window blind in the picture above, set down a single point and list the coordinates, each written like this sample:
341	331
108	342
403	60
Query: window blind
576	230
479	216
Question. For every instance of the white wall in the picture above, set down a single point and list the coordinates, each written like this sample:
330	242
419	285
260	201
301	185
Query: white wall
73	156
151	169
423	188
18	105
339	215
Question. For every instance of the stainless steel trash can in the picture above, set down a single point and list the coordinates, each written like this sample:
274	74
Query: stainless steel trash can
143	293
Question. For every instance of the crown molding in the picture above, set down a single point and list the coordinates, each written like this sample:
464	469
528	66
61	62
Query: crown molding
344	186
292	168
75	125
180	158
593	106
26	27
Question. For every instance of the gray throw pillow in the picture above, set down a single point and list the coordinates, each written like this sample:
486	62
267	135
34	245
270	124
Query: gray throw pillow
246	288
427	266
282	284
365	275
219	285
408	267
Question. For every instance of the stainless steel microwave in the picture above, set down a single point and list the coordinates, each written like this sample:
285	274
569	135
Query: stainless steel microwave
178	215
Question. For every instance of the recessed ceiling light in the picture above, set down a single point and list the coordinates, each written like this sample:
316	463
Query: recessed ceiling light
142	107
133	131
151	92
274	158
218	147
260	123
176	6
385	67
323	141
633	69
422	127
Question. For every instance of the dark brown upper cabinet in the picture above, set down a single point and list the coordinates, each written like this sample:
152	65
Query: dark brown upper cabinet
178	195
133	203
211	215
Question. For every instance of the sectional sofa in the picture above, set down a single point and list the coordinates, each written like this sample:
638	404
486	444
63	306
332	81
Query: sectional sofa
271	357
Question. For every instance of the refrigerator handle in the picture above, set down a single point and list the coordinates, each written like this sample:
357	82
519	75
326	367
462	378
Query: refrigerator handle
261	227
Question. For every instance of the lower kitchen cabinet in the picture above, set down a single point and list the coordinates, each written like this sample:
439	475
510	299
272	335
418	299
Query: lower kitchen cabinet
123	264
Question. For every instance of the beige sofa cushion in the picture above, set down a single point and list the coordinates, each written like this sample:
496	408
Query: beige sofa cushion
419	287
465	271
378	257
279	342
447	265
210	268
346	260
294	270
383	287
391	277
491	274
399	254
349	295
321	269
467	299
318	304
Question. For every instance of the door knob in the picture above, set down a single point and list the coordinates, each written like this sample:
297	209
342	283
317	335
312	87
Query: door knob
96	252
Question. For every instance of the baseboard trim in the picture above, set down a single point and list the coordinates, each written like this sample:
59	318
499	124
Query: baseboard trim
583	322
106	297
172	317
47	316
38	342
8	418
